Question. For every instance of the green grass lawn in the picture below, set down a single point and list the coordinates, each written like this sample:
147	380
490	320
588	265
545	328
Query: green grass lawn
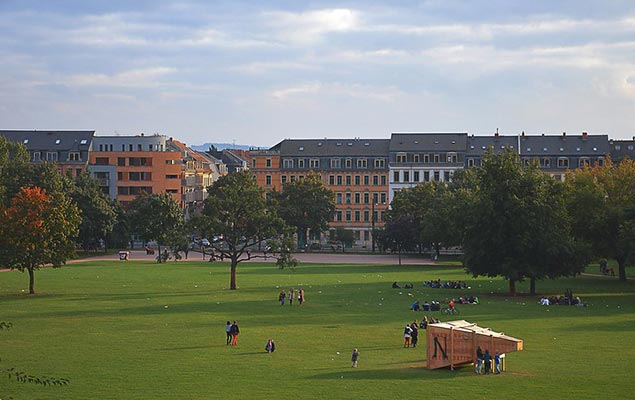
139	330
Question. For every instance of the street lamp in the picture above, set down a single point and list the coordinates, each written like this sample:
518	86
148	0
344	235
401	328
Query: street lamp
373	204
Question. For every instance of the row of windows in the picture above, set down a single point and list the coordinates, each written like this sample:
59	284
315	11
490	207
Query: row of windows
131	147
360	198
415	176
36	156
339	180
335	163
358	216
426	158
563	162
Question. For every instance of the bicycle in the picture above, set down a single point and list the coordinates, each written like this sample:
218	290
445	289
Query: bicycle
448	310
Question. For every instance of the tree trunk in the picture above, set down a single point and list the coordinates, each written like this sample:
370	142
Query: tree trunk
399	247
512	287
532	285
31	280
621	263
159	252
232	282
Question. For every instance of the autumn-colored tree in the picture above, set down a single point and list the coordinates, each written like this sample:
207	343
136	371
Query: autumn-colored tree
37	229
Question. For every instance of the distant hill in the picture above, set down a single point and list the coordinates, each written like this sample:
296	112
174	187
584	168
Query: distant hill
220	146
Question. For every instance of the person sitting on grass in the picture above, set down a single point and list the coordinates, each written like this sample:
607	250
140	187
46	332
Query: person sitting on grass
270	347
415	306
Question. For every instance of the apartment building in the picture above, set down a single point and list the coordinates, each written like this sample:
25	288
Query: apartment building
69	150
424	157
621	149
478	145
126	166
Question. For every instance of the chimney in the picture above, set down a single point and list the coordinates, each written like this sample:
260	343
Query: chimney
522	133
584	135
564	135
496	134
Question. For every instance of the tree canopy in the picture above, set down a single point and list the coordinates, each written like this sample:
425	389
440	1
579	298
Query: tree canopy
306	204
155	217
236	209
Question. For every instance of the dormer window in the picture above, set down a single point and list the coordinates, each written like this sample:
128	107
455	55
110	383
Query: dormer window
83	141
58	141
26	141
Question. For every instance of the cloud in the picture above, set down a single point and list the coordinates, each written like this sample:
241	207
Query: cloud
311	26
383	94
136	78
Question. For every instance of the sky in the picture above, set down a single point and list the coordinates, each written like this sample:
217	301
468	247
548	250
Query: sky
257	72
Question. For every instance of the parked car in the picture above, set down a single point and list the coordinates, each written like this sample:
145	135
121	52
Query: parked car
205	242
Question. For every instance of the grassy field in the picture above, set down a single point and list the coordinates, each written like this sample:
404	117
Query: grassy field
139	330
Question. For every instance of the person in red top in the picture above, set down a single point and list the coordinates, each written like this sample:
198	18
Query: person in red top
451	304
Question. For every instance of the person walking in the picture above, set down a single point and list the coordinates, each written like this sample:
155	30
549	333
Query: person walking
235	331
282	297
301	296
497	363
291	293
354	358
228	328
479	360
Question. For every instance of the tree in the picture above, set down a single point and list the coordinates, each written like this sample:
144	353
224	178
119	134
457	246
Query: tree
98	212
518	224
155	217
236	209
344	236
37	229
603	208
306	204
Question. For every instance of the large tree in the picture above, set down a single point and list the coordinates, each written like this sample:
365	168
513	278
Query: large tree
306	204
37	229
236	209
99	214
155	217
602	203
518	226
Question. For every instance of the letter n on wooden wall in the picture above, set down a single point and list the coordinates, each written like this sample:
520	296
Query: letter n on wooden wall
437	345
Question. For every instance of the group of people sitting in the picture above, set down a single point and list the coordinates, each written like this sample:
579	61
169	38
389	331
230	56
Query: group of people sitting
395	285
567	300
446	285
467	300
427	306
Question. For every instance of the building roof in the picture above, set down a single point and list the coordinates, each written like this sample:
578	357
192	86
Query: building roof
564	145
51	140
465	326
333	147
621	149
477	145
431	141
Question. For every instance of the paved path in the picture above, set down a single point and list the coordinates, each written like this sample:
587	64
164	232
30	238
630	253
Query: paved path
324	258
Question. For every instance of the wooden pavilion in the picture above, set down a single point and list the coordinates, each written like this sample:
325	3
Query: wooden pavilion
454	343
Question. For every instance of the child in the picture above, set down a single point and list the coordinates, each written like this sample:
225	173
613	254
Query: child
270	347
354	358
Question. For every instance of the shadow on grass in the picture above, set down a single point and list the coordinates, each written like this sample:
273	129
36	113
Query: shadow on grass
419	372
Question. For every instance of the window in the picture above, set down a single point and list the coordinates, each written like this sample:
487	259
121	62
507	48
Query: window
292	178
437	176
358	197
348	215
366	180
314	163
600	161
383	180
406	176
415	176
74	156
362	163
426	158
267	162
349	163
348	197
338	215
140	176
348	180
366	235
380	163
83	141
253	163
358	180
139	148
268	180
395	176
426	176
36	156
120	176
382	197
375	198
563	162
331	180
301	163
58	141
357	216
366	198
401	157
283	179
546	162
415	158
172	191
101	160
339	180
470	162
452	157
287	163
101	147
584	161
336	163
437	158
130	147
338	198
141	161
375	180
51	156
